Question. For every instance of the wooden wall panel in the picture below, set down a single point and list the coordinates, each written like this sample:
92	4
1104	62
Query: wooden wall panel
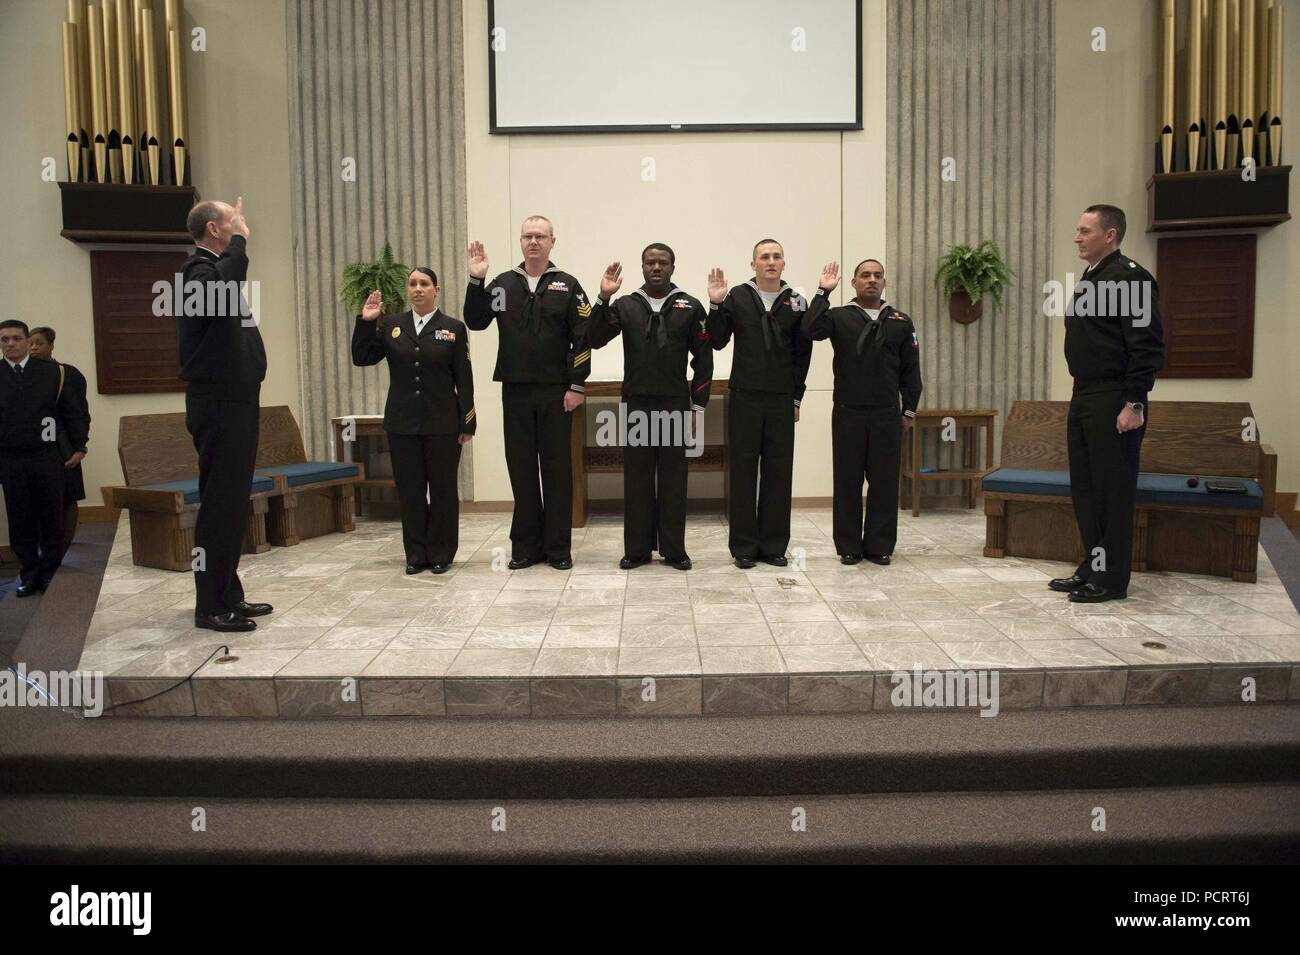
1207	305
135	352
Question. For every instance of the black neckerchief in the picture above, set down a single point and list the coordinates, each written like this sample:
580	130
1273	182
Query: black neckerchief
871	329
533	303
656	321
771	331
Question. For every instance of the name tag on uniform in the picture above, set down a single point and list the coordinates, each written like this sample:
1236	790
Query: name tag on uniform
444	335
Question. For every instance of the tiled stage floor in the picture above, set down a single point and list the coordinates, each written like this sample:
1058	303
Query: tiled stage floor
483	641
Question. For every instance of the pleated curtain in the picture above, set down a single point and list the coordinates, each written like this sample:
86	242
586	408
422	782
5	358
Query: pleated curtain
972	80
376	88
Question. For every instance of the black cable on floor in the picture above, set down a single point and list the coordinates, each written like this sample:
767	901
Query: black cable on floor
172	687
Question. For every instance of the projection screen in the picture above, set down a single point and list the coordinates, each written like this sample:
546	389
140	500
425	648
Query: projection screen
631	65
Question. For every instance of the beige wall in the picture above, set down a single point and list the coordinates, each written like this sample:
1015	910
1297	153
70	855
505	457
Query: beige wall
238	104
1105	112
714	195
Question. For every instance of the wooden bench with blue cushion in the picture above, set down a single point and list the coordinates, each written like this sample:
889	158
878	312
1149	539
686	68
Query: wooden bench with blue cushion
161	494
292	498
1177	527
311	498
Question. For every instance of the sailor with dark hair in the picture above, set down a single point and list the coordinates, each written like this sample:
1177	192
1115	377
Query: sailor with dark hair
429	414
877	388
662	328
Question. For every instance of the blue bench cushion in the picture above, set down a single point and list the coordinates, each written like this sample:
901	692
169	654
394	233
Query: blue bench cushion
312	472
1151	489
190	489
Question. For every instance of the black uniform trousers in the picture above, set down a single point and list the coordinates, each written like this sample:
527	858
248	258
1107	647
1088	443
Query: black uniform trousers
654	518
225	436
537	435
424	470
1103	486
761	452
33	486
865	441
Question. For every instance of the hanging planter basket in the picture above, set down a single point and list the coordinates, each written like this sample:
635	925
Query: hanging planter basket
965	271
960	309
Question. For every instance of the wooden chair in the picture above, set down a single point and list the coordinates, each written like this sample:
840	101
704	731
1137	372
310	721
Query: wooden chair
1027	505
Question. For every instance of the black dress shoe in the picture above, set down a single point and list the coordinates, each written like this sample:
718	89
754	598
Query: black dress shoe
850	559
744	563
881	559
28	590
680	563
1064	585
246	609
519	563
776	560
564	563
225	622
440	568
1091	593
415	568
627	563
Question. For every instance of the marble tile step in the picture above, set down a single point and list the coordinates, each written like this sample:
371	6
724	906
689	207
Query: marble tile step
652	758
649	690
1243	823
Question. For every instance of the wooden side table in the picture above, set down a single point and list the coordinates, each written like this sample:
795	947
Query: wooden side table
364	426
967	421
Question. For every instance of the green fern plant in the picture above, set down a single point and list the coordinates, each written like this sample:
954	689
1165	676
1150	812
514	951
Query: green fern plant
978	271
385	274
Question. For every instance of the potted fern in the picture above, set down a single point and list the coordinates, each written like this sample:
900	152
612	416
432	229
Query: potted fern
385	274
967	274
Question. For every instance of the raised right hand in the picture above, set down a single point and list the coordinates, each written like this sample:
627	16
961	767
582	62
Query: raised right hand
830	276
717	286
374	305
239	223
611	281
478	260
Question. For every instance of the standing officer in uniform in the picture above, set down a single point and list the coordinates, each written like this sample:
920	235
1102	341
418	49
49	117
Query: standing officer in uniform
542	363
768	369
1114	346
661	327
429	414
223	362
38	413
74	484
876	361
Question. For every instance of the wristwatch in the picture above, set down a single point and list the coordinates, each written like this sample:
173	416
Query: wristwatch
1137	406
